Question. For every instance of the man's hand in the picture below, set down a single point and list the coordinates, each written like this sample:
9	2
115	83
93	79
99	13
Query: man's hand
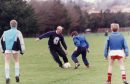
66	52
75	49
88	50
21	53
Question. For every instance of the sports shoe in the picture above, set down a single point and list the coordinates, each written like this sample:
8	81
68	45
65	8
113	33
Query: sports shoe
61	66
17	78
107	82
87	65
7	81
76	65
125	82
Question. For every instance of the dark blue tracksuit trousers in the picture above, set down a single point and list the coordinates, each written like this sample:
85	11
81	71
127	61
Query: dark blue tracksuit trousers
56	52
81	51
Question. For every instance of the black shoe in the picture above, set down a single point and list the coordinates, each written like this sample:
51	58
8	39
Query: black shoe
87	65
125	82
8	81
17	78
61	66
76	65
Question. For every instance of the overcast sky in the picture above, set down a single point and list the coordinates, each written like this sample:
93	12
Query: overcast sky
110	4
84	0
90	1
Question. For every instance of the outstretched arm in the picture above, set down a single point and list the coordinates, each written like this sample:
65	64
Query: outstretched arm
46	35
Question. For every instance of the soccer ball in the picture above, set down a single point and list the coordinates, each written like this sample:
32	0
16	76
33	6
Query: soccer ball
66	65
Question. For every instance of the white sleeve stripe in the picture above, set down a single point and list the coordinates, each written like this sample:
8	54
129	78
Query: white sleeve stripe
20	36
1	49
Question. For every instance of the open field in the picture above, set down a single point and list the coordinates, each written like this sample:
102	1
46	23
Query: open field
38	67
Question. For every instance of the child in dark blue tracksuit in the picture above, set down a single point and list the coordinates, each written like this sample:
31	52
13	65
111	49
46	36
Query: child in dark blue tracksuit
82	48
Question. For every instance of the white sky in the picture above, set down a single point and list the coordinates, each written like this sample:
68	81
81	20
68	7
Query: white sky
92	1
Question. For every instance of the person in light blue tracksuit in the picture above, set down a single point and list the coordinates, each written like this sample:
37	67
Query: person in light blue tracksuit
81	48
12	43
116	49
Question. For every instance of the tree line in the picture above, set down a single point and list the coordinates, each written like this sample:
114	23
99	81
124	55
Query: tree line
22	12
36	17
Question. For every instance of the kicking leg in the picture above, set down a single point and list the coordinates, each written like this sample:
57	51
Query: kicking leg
74	58
56	57
63	55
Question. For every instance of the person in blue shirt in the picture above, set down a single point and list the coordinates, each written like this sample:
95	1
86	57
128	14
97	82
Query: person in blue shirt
116	49
12	43
81	48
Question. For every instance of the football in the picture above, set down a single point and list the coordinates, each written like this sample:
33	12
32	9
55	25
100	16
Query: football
66	65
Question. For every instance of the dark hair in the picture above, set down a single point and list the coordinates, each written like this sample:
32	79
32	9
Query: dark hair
74	33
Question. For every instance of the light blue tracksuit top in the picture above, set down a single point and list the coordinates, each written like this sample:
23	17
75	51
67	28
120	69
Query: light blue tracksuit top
116	41
10	36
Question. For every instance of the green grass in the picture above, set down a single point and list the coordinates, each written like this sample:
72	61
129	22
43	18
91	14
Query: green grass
38	67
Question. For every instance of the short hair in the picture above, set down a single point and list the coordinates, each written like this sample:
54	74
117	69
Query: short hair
60	27
13	23
74	33
114	27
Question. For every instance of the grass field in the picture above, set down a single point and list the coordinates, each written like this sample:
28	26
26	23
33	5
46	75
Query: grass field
38	67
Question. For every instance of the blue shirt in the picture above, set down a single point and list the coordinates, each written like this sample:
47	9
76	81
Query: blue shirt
116	41
80	41
10	37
